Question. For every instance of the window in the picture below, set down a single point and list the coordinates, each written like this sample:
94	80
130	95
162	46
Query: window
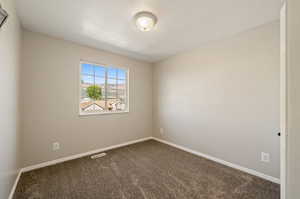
103	89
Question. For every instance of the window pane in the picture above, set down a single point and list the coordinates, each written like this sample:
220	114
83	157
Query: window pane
121	84
112	81
88	80
84	95
99	106
112	73
100	71
112	104
100	81
87	69
111	94
111	84
121	74
122	93
86	105
121	104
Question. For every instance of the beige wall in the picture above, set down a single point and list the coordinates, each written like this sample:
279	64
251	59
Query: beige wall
50	92
10	40
293	59
223	99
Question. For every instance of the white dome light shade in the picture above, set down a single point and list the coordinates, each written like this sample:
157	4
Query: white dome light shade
145	21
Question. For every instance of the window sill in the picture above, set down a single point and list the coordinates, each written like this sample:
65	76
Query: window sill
103	113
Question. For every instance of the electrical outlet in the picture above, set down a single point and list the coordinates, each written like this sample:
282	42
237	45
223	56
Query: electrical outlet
162	131
265	157
55	146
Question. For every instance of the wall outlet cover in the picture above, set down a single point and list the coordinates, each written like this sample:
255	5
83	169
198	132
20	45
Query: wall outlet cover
162	131
55	146
265	157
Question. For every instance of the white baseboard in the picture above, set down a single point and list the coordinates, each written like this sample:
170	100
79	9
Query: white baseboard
229	164
13	189
72	157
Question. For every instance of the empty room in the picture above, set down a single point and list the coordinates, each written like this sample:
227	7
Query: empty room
149	99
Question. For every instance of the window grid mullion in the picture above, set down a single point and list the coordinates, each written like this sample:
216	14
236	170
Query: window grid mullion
126	89
117	85
94	87
105	95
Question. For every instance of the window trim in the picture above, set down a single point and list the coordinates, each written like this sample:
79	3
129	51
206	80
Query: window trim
80	113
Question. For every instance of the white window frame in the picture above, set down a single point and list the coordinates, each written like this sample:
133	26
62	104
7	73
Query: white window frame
81	113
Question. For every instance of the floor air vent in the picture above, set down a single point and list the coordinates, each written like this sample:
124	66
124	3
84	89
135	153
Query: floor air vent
100	155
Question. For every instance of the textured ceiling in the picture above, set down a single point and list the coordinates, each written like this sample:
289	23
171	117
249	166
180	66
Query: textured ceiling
182	24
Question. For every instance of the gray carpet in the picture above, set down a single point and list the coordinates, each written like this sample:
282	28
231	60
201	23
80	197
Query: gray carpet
147	170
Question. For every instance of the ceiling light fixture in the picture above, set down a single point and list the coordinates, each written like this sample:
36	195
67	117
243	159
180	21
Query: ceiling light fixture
145	21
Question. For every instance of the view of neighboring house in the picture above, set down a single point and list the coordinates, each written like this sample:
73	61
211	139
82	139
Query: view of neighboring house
113	86
99	105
